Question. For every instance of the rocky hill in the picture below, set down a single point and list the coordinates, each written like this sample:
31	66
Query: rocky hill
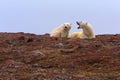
25	56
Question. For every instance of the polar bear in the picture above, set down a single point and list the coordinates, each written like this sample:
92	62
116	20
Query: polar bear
62	30
86	33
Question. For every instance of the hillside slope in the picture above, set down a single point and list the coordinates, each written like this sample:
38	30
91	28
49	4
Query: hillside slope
25	56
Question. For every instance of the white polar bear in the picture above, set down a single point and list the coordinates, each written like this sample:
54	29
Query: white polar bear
87	31
62	30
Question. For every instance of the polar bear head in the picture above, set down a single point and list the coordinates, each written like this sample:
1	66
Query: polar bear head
82	24
66	26
87	29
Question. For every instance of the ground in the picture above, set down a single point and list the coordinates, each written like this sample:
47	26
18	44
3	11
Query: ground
26	56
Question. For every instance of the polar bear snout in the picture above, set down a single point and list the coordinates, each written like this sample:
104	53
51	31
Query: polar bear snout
78	27
80	22
65	27
77	23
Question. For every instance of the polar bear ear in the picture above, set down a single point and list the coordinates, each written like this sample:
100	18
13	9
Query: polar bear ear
64	24
86	23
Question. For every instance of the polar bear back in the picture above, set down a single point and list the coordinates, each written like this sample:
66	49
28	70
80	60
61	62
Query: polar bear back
75	35
88	31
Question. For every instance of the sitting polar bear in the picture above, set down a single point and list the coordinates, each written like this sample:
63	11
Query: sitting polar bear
62	30
87	31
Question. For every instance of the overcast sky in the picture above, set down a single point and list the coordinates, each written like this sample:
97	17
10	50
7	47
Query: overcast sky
42	16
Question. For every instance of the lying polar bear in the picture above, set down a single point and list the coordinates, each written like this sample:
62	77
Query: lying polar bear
87	31
62	30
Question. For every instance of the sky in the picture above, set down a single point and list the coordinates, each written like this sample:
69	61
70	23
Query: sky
42	16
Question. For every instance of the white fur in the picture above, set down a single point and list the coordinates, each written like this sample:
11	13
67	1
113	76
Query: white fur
86	33
62	30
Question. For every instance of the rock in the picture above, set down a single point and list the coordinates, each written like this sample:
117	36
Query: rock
72	40
13	64
33	56
36	65
67	50
30	40
28	59
70	50
37	53
9	62
21	38
59	45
